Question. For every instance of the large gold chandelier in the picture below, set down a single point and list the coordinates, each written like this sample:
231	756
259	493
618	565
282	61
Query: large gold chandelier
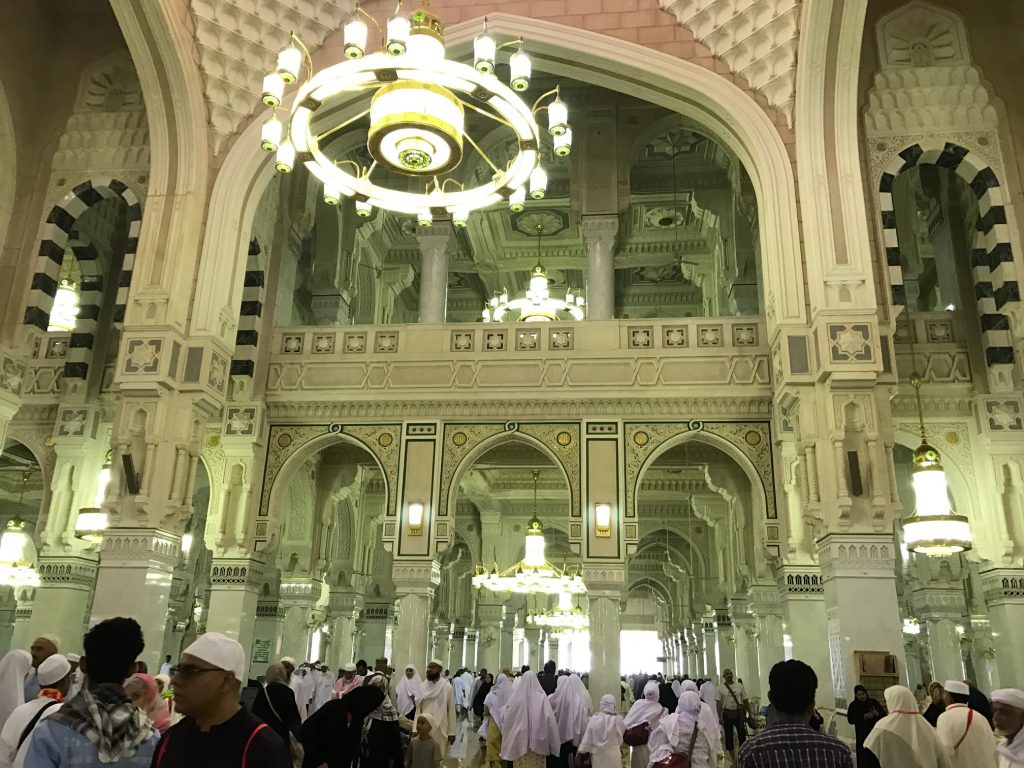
533	574
417	119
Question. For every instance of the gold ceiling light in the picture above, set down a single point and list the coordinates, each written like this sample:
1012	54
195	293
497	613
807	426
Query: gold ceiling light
417	119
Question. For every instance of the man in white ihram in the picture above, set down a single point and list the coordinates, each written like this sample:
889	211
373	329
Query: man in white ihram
964	732
1008	715
437	699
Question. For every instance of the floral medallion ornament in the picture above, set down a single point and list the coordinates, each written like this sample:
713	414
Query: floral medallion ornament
416	119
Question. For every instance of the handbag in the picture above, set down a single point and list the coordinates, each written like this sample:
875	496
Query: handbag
679	759
637	735
295	749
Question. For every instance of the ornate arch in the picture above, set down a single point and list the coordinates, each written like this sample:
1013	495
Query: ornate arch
290	447
681	86
992	261
56	232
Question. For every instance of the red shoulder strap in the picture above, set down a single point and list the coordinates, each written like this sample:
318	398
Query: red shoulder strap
245	754
970	719
163	748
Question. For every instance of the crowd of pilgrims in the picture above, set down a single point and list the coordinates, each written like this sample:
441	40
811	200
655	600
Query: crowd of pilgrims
104	708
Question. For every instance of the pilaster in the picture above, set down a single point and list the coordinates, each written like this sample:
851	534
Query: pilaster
606	583
134	579
1004	595
299	596
269	634
711	668
234	592
803	611
372	636
62	598
940	610
766	610
488	619
852	566
725	640
744	634
415	582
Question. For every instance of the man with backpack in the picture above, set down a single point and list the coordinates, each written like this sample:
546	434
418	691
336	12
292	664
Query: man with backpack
55	677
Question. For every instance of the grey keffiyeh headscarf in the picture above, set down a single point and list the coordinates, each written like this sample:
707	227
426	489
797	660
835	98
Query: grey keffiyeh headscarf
386	711
107	718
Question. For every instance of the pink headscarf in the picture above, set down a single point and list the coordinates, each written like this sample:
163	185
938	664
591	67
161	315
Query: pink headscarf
155	707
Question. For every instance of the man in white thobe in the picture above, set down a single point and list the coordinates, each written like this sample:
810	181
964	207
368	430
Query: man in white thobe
459	689
1008	715
467	692
437	699
964	732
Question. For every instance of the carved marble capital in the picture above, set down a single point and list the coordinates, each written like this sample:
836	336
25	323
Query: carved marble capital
1003	586
138	547
605	579
938	603
415	577
303	591
68	571
236	573
856	555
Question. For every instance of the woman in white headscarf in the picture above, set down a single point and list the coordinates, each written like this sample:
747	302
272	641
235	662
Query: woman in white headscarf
645	710
708	717
903	738
571	704
681	732
494	709
14	667
530	732
603	737
406	691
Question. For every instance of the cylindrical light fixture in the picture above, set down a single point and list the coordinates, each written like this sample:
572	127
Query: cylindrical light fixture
563	143
398	35
484	52
425	218
520	67
273	89
270	135
363	209
355	38
289	61
285	157
517	200
538	183
558	117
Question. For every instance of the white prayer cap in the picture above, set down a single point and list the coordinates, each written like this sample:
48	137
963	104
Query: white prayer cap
52	638
350	667
1014	697
220	651
438	662
74	658
53	670
288	660
958	687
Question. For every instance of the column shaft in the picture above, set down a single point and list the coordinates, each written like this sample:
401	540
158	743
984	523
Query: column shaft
434	274
599	236
604	646
63	596
134	579
234	592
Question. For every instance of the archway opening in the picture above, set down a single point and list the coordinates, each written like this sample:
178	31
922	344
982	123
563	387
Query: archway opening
498	495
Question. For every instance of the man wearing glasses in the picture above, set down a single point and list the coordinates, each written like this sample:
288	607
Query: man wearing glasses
217	730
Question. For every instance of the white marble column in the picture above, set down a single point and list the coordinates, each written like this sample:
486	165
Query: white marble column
22	636
605	594
343	612
710	647
534	651
8	612
599	239
234	592
269	630
488	619
371	635
852	566
63	596
415	582
725	640
506	640
747	666
1003	588
983	654
471	659
803	611
434	273
458	643
554	648
134	579
299	598
939	610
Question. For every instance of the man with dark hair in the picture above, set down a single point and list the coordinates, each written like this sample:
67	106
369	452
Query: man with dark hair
790	742
548	679
99	726
362	669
